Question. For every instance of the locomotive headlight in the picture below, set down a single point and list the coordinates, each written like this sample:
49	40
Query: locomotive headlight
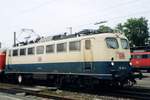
130	63
112	63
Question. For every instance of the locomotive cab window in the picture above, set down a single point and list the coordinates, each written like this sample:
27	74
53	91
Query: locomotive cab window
31	51
15	52
87	44
112	43
62	47
40	49
49	48
74	46
22	52
124	44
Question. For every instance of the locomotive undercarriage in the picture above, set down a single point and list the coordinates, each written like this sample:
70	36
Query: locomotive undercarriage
69	80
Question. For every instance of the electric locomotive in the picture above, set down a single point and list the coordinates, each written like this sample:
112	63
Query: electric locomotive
104	57
141	58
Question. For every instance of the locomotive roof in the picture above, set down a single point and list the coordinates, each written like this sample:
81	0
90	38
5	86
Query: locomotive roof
41	41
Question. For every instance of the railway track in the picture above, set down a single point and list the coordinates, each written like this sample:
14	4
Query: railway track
56	94
28	91
134	93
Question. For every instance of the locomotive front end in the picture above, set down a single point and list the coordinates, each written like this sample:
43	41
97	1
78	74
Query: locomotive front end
119	54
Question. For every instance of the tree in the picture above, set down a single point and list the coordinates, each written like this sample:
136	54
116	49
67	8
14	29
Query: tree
104	29
136	30
119	28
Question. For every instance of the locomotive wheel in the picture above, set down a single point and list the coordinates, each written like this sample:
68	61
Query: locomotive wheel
128	84
20	79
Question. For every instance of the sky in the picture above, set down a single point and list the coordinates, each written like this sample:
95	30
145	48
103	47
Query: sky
51	17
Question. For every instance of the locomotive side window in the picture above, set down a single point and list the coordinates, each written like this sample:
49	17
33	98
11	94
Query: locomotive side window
145	56
141	56
124	44
112	43
22	52
137	56
31	51
15	52
148	56
40	49
87	44
49	48
74	46
62	47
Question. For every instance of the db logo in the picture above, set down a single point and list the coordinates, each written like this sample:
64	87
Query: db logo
121	55
39	59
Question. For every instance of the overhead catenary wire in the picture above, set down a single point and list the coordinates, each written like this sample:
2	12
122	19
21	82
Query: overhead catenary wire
102	12
32	9
119	17
130	2
105	10
37	7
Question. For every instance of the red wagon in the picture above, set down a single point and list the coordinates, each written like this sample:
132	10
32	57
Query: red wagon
2	61
141	59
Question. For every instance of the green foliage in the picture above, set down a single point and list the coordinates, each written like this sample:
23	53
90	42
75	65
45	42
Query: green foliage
104	29
136	30
119	28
